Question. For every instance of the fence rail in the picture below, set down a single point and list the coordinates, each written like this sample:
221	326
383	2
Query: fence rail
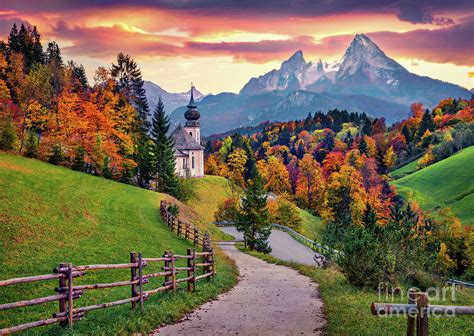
460	283
418	311
315	246
183	229
68	293
199	265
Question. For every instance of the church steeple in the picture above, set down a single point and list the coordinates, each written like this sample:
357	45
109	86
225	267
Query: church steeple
192	114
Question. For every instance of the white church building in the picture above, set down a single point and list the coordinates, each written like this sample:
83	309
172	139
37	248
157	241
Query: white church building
188	152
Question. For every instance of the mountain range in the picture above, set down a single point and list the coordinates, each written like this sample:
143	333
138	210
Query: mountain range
364	80
170	100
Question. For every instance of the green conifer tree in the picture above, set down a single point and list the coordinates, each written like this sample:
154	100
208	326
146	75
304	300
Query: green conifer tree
253	218
163	161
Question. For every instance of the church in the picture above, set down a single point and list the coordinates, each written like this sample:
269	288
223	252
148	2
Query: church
188	152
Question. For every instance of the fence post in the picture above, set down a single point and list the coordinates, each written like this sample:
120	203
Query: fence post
133	270
212	262
206	248
196	234
167	266
62	302
140	278
69	295
173	272
411	319
189	273
179	227
422	319
194	270
186	233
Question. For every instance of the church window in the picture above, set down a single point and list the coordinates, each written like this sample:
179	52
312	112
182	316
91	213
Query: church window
184	163
192	162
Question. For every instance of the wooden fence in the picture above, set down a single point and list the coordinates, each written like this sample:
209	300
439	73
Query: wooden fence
183	229
418	311
67	292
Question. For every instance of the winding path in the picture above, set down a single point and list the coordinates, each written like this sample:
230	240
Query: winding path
283	246
268	300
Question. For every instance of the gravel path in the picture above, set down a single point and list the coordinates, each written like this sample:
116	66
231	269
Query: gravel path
283	246
268	300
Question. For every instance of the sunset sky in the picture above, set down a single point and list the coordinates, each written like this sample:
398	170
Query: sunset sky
219	45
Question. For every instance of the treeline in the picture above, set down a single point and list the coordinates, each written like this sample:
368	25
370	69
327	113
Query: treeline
336	165
50	111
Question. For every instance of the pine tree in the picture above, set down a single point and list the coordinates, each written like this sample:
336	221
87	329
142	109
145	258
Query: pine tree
254	219
79	73
130	84
163	160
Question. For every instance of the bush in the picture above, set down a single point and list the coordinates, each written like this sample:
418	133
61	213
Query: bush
284	212
173	209
8	137
185	190
228	210
391	253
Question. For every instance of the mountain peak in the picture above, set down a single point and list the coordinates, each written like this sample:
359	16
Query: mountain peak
363	42
296	60
363	53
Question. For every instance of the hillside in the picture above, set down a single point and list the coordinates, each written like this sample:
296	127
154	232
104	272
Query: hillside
51	214
448	183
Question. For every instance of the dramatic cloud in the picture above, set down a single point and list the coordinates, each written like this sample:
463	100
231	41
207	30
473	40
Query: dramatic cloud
452	44
420	11
249	36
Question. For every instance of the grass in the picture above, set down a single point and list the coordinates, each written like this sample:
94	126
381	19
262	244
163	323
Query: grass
447	183
51	214
347	307
405	170
311	226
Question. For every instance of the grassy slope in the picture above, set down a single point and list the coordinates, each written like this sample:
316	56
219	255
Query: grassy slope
51	214
212	190
311	226
404	170
348	308
448	183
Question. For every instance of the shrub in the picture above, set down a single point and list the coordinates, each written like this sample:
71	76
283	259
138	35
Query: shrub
228	210
8	137
284	212
173	209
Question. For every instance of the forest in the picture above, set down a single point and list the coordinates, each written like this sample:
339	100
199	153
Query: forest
337	165
51	112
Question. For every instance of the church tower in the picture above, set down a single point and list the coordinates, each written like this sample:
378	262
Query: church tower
188	152
192	115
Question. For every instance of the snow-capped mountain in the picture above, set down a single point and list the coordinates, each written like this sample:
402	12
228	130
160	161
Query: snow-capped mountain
294	74
364	69
364	80
170	100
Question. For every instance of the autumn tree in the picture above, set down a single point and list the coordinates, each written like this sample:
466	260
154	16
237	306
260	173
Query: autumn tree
310	183
390	158
285	213
277	178
236	162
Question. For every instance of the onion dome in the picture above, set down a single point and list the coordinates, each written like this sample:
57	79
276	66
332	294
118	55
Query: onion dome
192	114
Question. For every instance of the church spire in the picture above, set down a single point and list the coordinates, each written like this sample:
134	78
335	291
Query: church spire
192	114
192	104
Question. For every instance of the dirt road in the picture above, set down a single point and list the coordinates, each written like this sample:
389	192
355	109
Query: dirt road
268	300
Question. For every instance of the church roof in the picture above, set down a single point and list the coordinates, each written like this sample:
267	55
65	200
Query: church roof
182	140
